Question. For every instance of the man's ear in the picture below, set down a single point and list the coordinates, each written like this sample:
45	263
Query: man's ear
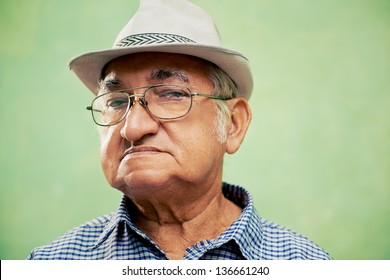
240	119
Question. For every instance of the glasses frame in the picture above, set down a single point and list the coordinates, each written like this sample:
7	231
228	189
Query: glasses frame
143	103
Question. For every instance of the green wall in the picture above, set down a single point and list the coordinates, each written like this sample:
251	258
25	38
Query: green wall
317	155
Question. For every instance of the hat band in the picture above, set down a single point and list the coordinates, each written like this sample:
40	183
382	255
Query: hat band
152	38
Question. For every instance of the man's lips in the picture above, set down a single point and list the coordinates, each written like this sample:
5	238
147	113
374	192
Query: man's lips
140	149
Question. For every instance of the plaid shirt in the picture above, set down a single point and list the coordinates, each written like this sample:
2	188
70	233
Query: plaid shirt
115	236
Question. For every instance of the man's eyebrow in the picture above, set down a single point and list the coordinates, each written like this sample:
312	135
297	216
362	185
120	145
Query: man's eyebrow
110	85
164	74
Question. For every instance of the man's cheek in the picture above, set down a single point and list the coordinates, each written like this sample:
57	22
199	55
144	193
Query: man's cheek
109	140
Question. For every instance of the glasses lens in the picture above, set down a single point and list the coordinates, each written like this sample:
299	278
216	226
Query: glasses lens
168	101
110	108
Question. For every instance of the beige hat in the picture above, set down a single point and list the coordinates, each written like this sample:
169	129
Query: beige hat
170	26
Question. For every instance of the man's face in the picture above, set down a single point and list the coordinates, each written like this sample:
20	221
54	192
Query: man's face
144	155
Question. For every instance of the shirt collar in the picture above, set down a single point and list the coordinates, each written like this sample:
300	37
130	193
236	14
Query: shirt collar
120	216
246	231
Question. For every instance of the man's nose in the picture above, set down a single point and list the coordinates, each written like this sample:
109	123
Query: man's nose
138	123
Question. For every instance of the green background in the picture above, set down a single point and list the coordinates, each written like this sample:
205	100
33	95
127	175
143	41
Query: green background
317	155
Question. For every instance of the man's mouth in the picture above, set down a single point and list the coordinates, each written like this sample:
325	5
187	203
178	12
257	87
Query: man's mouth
140	149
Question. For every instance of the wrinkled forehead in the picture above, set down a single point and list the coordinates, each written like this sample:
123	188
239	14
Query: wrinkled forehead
154	68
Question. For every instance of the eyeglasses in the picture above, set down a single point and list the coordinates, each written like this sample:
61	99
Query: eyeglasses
165	102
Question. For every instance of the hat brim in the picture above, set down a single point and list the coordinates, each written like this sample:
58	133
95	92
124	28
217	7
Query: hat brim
88	67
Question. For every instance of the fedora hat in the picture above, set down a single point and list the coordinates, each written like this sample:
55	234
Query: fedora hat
169	26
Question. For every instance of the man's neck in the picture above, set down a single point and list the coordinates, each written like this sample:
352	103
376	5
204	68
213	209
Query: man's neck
174	229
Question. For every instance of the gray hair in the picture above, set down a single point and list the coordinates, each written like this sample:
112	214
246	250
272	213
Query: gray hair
225	87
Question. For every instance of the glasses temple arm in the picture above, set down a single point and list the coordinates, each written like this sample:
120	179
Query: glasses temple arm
89	108
211	96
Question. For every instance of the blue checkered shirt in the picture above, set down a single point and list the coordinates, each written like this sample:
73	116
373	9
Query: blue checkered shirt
115	236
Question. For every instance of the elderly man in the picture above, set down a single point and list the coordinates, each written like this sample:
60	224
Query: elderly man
170	102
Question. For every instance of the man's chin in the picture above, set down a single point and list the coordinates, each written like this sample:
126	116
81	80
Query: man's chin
141	182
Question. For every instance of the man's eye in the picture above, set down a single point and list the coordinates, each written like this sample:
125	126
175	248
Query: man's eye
117	103
171	94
